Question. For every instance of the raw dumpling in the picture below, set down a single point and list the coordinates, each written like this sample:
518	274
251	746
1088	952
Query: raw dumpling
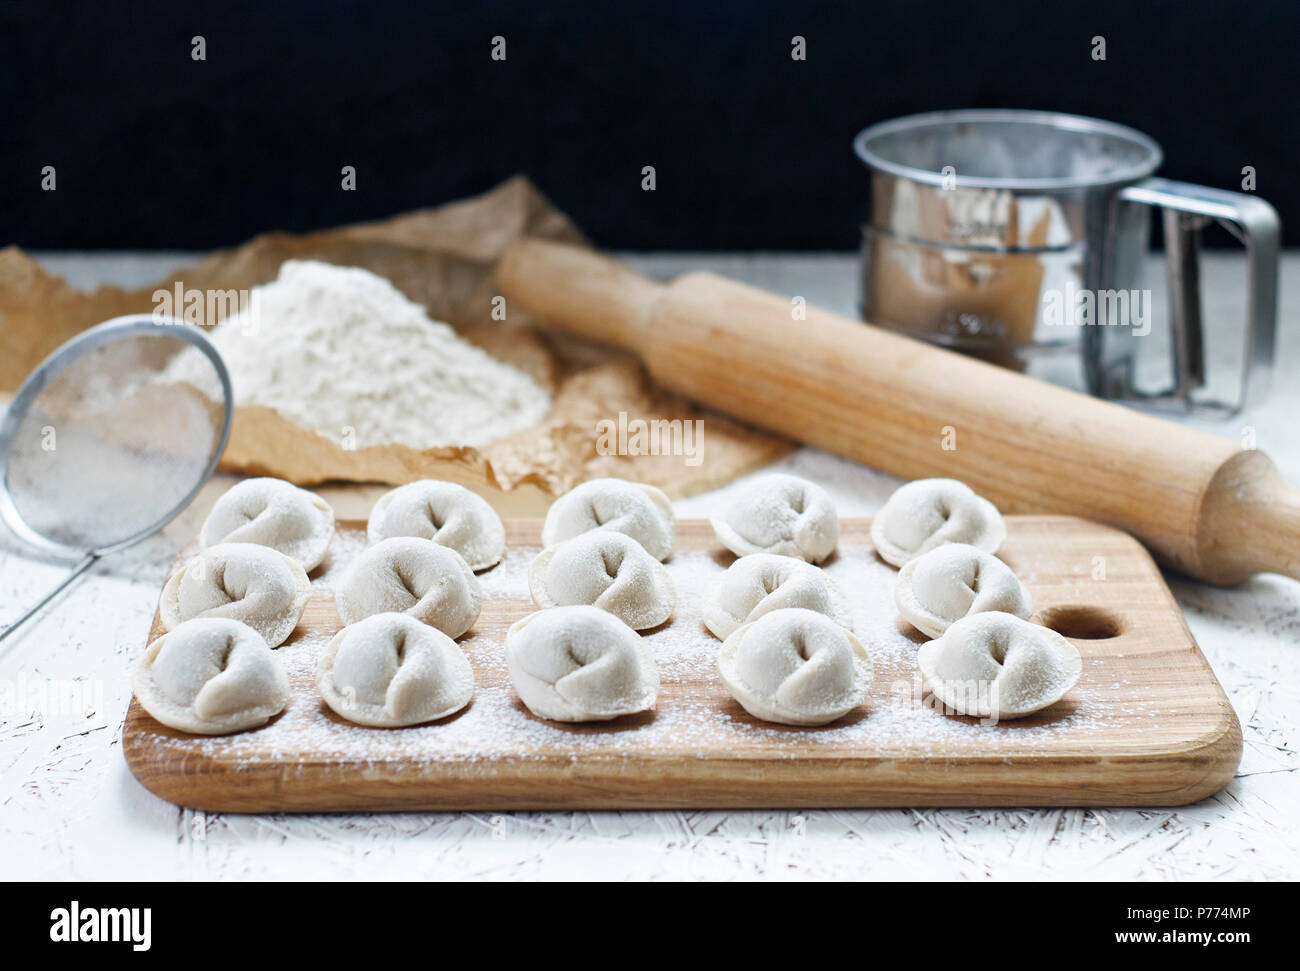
756	585
211	676
953	581
447	513
254	584
580	664
607	570
390	670
927	513
274	513
996	665
616	505
413	576
780	514
795	667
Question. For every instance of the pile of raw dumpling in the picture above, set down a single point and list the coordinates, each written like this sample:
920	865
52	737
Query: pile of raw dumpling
786	656
789	654
403	602
788	651
213	672
599	580
986	659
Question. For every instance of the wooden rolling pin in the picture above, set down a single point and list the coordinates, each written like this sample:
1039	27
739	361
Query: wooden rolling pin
1201	503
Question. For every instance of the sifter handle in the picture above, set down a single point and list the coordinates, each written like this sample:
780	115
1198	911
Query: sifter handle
1186	209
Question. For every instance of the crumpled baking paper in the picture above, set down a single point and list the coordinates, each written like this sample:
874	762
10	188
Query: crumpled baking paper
445	258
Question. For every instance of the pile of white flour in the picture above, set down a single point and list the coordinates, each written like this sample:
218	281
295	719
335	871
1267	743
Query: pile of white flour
342	351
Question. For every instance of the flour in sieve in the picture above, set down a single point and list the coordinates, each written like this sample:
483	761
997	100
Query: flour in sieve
342	351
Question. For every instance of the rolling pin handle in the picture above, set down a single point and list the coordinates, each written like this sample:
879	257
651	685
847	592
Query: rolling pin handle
1250	522
579	289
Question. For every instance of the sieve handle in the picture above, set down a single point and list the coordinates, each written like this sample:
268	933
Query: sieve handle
89	560
1187	209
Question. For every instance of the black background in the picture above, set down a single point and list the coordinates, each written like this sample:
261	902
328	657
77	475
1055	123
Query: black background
752	149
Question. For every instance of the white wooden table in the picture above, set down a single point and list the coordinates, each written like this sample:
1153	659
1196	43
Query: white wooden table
69	809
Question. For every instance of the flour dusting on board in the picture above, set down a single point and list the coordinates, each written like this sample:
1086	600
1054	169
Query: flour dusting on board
695	716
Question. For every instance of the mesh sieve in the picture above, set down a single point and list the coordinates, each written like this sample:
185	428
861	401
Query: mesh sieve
101	448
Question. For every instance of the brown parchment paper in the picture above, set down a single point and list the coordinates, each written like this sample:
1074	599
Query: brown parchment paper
445	258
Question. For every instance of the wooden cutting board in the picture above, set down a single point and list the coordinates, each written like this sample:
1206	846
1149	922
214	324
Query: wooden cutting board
1148	724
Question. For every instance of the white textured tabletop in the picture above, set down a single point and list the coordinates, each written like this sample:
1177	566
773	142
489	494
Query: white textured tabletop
69	809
